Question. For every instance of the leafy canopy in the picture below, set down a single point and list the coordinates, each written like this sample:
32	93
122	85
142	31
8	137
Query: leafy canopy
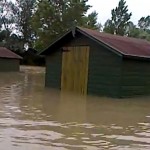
119	21
54	17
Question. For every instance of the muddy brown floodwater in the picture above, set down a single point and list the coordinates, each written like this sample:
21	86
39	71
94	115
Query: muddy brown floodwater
35	118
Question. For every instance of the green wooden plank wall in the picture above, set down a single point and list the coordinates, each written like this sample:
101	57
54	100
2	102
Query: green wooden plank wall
104	71
9	65
135	78
104	68
53	70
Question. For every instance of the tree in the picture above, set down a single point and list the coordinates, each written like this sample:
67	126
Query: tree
24	11
144	23
13	42
52	18
109	27
120	19
144	28
131	30
15	23
91	21
45	22
7	18
134	31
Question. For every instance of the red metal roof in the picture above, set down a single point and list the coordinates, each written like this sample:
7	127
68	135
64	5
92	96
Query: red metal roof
124	45
5	53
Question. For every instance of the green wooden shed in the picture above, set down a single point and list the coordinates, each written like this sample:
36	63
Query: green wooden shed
90	62
9	61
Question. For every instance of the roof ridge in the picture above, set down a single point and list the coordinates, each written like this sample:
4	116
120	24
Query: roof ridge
113	35
6	53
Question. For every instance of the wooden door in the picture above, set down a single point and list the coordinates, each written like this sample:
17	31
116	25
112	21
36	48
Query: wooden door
75	69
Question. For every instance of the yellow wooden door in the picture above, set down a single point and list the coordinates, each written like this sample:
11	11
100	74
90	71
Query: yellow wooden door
75	69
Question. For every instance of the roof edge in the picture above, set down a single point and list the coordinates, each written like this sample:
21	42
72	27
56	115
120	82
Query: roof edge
111	48
136	57
78	29
20	58
72	30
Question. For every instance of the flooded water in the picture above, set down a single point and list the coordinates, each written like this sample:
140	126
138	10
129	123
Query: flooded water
35	118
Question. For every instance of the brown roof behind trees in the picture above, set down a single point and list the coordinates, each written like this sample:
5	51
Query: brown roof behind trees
122	45
5	53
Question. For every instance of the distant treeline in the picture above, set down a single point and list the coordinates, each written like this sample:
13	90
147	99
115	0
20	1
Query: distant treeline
31	57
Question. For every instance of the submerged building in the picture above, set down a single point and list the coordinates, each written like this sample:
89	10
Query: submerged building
9	61
90	62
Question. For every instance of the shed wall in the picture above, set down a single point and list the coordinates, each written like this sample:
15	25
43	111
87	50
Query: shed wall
8	65
135	78
104	68
53	70
104	71
54	64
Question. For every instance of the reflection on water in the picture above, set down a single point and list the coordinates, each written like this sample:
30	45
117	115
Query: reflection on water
35	118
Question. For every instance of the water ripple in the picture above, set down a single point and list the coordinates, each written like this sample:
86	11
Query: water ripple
35	118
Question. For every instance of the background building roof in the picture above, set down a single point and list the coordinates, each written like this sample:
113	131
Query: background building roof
5	53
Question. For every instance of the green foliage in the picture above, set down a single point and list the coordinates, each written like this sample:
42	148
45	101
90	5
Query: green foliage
120	19
13	42
135	32
7	20
144	23
24	11
143	32
52	18
120	23
144	27
90	21
45	22
109	27
7	17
